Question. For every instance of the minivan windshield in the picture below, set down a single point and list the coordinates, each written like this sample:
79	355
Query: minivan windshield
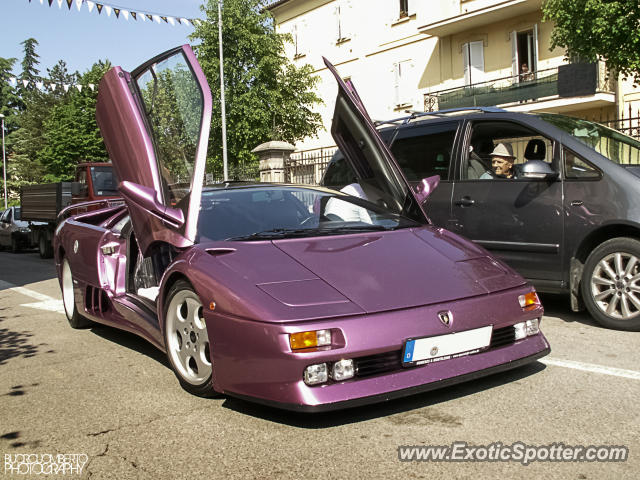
617	147
281	211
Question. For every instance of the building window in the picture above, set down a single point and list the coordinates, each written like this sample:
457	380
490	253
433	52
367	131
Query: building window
342	14
297	37
404	9
473	58
524	54
403	90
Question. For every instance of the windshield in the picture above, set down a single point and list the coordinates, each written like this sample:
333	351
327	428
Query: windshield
273	212
104	181
617	147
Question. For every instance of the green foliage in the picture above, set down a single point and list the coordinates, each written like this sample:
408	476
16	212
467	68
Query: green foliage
50	131
267	98
596	29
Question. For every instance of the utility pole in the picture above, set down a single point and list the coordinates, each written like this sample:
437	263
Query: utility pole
224	115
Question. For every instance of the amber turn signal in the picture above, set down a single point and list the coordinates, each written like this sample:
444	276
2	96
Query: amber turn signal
529	301
314	338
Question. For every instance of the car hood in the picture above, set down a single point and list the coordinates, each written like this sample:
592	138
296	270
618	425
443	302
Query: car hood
401	269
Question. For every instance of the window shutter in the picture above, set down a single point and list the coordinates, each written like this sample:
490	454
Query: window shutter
515	70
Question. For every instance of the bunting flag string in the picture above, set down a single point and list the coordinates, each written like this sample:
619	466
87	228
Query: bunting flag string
44	84
123	12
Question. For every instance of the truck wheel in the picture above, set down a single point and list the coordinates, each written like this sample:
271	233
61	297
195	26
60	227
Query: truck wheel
69	299
44	246
15	246
611	284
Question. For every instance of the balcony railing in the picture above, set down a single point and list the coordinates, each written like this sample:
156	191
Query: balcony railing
571	80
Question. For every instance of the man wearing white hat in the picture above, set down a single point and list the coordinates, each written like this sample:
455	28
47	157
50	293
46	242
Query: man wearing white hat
502	159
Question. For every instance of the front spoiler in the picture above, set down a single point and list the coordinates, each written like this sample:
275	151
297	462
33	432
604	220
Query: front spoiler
405	392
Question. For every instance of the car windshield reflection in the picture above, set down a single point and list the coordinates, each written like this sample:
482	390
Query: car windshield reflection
275	211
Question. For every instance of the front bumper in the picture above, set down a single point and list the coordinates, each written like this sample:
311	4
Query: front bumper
252	360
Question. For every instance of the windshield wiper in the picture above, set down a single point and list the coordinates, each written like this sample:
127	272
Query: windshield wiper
308	232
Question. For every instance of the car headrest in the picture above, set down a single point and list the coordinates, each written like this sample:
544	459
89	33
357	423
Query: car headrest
536	150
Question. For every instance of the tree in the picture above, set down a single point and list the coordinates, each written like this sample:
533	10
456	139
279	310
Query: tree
596	29
8	96
70	132
267	98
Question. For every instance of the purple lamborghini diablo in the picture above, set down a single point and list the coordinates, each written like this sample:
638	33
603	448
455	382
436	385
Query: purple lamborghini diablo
295	296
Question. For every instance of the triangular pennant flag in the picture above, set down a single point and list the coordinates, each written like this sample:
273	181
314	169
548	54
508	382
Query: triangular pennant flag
148	16
69	3
156	18
125	13
79	87
79	4
41	2
164	18
171	21
196	22
90	5
134	15
99	6
13	81
25	83
60	3
53	86
185	21
50	2
108	9
117	12
66	87
91	86
39	85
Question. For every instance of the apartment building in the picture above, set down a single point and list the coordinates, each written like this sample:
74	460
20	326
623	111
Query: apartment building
427	55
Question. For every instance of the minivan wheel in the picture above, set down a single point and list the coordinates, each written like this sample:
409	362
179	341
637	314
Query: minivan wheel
611	284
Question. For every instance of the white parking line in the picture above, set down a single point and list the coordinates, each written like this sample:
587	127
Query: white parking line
590	367
45	302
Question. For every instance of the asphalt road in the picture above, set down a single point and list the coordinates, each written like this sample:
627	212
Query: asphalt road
111	398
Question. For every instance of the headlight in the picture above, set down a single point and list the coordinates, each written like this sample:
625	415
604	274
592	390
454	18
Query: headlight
24	230
527	329
315	374
343	370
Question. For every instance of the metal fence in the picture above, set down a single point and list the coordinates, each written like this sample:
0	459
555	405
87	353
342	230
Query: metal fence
307	167
628	126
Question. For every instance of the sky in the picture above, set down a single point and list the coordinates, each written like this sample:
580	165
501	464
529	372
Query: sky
81	38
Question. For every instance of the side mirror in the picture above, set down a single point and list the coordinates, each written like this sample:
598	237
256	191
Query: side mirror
426	186
146	198
538	170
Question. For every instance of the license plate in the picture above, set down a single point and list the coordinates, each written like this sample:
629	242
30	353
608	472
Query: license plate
419	351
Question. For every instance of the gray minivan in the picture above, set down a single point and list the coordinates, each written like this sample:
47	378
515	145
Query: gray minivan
569	221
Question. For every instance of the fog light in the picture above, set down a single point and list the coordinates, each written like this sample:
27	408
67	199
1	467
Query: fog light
533	327
520	330
529	301
343	370
315	338
315	374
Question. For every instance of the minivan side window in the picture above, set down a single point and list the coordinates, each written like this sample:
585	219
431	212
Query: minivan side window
493	145
576	168
424	151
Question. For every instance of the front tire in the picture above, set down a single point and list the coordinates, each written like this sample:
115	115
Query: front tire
187	341
15	246
611	284
69	299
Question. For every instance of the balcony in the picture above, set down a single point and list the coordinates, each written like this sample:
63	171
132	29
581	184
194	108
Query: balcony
564	82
